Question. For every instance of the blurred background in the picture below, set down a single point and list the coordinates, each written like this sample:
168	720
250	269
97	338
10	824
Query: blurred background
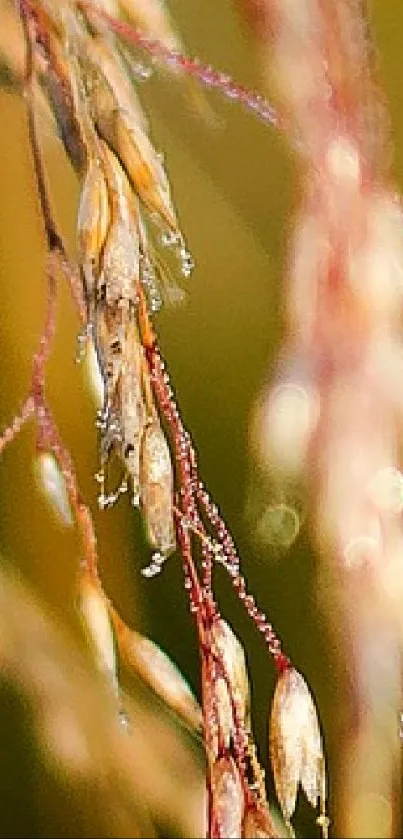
234	183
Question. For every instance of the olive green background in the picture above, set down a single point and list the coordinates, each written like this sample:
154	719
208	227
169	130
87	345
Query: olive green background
235	186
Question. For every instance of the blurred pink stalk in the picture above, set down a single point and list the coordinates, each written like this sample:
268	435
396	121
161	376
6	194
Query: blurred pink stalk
335	417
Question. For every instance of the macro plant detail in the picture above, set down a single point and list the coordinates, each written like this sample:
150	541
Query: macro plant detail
86	62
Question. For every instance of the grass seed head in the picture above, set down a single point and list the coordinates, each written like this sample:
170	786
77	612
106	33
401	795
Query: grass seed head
296	747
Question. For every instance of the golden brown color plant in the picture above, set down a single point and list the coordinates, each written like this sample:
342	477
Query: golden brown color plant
84	65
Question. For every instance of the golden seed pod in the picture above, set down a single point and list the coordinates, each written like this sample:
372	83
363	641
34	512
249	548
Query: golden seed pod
93	221
120	127
162	675
121	254
228	802
296	748
141	163
132	410
106	60
157	489
230	692
124	414
233	658
95	613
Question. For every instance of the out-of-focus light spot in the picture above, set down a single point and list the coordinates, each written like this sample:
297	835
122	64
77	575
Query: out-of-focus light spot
386	490
288	418
376	269
361	551
279	525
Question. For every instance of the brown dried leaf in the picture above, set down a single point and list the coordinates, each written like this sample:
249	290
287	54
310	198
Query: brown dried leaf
296	747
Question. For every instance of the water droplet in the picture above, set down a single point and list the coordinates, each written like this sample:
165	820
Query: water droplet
187	262
102	502
150	570
231	92
141	71
124	720
207	75
323	823
81	345
101	420
100	476
155	304
155	566
223	79
110	499
136	499
169	239
150	285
